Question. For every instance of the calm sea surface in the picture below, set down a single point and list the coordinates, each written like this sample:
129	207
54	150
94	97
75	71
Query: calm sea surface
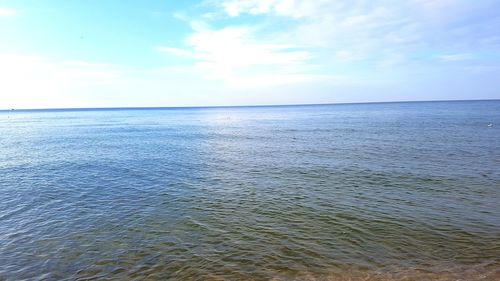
377	191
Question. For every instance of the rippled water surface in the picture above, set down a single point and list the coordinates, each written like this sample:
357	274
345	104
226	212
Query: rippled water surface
380	191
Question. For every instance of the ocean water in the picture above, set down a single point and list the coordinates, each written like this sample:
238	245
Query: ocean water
389	191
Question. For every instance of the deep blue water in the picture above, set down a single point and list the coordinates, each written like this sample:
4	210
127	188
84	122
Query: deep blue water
385	190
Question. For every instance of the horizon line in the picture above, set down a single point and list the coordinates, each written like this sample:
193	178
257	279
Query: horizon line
227	106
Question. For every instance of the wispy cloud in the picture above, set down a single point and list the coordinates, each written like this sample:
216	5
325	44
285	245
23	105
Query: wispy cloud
235	54
334	39
288	8
86	64
455	57
6	12
36	81
372	29
176	52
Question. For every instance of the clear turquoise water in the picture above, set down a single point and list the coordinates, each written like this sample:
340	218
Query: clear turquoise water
255	193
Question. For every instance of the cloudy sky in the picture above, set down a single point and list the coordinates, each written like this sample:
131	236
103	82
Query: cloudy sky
115	53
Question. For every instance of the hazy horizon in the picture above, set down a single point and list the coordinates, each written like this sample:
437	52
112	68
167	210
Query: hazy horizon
229	106
90	54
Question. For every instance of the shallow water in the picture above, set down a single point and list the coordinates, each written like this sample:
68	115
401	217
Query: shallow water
395	191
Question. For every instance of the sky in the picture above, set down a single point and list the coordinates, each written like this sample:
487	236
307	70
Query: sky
130	53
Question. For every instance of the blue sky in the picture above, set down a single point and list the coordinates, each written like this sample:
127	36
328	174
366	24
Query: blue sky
114	53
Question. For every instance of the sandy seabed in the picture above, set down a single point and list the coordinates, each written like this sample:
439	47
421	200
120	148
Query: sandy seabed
472	273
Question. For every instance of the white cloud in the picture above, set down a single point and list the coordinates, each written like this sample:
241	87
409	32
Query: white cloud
175	51
6	12
233	47
366	27
34	81
28	81
289	8
85	64
234	55
455	57
329	39
337	42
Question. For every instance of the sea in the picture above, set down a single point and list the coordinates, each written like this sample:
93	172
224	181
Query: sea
375	191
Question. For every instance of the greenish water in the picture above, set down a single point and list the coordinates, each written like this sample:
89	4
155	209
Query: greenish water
402	191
